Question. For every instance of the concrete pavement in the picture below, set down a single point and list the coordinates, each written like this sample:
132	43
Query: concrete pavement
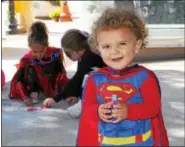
54	127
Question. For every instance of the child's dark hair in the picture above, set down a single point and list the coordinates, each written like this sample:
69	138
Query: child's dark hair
38	34
115	18
75	40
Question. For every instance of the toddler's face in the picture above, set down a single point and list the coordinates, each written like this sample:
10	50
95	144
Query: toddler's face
118	47
38	50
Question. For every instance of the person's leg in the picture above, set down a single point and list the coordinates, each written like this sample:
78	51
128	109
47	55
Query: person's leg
76	109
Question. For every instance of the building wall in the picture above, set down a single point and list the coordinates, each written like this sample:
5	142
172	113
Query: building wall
43	8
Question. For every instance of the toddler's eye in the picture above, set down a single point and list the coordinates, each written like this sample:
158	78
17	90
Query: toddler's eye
106	46
122	43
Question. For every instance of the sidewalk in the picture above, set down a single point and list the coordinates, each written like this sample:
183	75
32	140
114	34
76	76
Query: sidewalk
54	127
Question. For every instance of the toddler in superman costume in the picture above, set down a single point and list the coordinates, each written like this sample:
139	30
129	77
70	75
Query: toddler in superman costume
118	36
40	71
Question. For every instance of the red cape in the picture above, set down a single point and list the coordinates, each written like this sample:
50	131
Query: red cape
88	127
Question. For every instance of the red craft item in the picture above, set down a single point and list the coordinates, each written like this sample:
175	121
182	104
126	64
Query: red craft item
2	79
36	109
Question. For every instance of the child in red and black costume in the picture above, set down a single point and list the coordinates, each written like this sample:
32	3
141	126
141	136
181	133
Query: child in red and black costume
41	70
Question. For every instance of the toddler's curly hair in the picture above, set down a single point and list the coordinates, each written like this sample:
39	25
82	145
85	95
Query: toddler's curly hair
115	18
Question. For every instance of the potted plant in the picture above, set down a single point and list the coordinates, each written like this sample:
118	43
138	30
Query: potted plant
55	15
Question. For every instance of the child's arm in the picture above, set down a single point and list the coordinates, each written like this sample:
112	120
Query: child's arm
17	84
75	83
20	74
88	128
90	104
20	82
151	106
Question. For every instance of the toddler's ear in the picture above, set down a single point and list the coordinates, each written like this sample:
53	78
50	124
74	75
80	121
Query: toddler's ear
138	46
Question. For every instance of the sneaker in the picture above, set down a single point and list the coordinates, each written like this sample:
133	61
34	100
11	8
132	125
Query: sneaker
35	97
75	110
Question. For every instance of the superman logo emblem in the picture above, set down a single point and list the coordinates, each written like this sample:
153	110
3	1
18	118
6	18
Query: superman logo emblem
124	91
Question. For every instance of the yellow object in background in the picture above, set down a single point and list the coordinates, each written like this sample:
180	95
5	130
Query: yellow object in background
19	7
25	9
61	5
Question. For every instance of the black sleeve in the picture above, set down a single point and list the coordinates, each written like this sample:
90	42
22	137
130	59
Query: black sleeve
58	97
74	86
20	75
96	61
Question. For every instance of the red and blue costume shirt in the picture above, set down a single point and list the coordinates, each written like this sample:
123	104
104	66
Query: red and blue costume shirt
136	86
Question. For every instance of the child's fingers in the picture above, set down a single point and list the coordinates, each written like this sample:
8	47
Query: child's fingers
75	100
68	101
105	111
71	100
118	113
108	121
46	101
106	118
117	120
45	104
48	104
115	111
109	104
118	106
106	105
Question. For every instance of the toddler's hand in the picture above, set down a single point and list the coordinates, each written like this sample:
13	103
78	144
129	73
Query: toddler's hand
48	102
120	112
28	101
104	112
72	100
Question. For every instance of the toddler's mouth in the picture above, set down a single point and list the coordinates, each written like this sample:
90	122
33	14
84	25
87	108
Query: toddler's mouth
117	59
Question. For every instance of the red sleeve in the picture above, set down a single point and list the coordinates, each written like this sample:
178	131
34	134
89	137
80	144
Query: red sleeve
17	88
21	89
61	78
22	61
88	127
151	106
